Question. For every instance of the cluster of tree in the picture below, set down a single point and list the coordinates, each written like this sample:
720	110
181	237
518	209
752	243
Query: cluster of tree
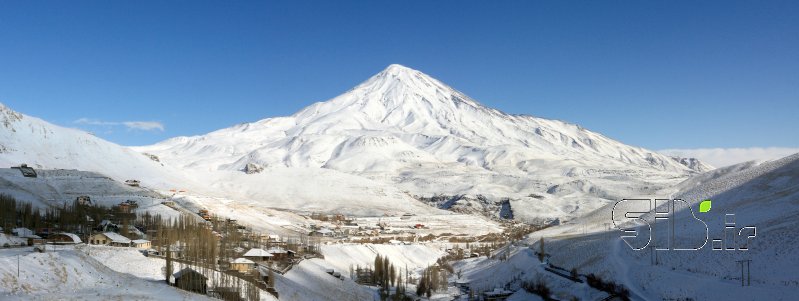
517	231
230	288
538	287
434	279
608	286
328	217
188	242
69	217
388	276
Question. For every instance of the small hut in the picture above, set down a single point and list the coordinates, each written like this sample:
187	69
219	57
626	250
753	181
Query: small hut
242	265
191	280
141	244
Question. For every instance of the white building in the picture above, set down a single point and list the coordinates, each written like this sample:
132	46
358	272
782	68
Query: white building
22	232
257	254
141	244
109	238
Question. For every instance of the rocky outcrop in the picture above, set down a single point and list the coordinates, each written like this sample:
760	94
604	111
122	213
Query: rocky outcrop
252	168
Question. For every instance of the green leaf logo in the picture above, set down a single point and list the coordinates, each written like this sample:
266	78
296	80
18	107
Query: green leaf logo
704	206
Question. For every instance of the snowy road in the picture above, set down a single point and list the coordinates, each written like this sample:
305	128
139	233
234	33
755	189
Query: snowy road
623	269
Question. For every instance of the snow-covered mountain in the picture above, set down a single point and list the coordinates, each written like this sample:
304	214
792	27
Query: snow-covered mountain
402	118
407	129
369	151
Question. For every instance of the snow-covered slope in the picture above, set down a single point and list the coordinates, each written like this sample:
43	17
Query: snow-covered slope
32	141
54	187
67	274
760	195
403	128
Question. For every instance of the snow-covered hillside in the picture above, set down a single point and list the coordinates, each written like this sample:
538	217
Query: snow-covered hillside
67	274
762	195
32	141
29	140
55	187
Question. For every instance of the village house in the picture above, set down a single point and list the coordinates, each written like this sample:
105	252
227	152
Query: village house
84	200
22	232
34	240
258	255
109	238
46	232
141	244
280	253
324	232
26	170
242	265
64	239
124	207
191	280
497	294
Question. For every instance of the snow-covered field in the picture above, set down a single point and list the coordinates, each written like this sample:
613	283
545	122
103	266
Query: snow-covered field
306	281
309	280
69	274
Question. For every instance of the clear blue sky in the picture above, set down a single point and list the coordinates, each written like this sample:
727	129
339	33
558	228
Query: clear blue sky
660	75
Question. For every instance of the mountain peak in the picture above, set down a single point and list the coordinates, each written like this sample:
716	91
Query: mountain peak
395	69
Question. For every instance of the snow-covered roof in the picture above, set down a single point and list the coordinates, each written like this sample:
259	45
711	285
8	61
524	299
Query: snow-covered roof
256	252
324	230
186	270
140	241
115	237
238	249
75	238
242	260
498	292
276	251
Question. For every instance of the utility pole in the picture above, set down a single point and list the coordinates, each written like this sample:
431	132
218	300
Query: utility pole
653	255
748	273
